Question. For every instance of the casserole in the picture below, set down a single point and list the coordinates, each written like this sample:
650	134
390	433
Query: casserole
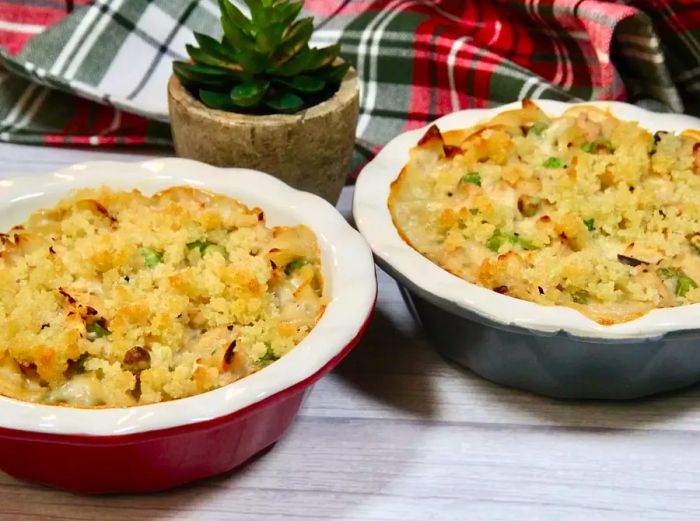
114	299
552	350
584	210
158	446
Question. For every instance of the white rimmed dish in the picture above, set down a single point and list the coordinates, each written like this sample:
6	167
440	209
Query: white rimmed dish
552	350
170	443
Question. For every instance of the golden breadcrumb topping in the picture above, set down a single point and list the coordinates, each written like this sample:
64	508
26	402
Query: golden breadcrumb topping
582	210
117	299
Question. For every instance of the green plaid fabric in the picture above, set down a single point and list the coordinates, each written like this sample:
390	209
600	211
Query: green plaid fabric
97	73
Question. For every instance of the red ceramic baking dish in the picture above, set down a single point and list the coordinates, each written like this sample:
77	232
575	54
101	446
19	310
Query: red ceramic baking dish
155	447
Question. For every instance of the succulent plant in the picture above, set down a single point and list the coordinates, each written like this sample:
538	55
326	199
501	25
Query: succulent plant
263	64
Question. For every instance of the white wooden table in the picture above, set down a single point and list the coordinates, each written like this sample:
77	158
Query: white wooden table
398	433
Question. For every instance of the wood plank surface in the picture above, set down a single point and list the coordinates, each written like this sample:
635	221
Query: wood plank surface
399	433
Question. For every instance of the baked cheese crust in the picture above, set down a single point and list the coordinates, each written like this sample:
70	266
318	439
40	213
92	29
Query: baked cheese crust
118	299
583	210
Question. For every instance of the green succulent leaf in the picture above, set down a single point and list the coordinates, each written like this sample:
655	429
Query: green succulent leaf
216	100
249	94
199	56
252	62
266	42
263	63
292	67
299	32
227	69
190	85
305	84
201	74
257	12
286	14
285	102
235	16
334	74
323	57
296	38
236	37
211	46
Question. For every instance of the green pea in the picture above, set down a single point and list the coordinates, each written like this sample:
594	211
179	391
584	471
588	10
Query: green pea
471	178
537	128
684	284
581	297
151	257
97	330
294	266
199	244
267	358
553	162
499	238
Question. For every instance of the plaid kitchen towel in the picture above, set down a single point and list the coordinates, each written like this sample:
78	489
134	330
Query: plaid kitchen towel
95	72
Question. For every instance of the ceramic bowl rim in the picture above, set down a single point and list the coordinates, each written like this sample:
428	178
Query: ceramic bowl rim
346	259
373	219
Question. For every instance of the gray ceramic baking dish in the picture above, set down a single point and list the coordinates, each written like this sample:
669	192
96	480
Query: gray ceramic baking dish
551	350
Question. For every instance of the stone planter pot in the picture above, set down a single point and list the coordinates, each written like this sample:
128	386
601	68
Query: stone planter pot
310	150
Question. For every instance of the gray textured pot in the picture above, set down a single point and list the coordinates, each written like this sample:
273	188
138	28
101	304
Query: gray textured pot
552	350
310	150
558	364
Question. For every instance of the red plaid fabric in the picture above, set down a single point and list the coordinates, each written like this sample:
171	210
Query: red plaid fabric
20	21
417	60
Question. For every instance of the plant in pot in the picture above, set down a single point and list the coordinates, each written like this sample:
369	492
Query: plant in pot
262	98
